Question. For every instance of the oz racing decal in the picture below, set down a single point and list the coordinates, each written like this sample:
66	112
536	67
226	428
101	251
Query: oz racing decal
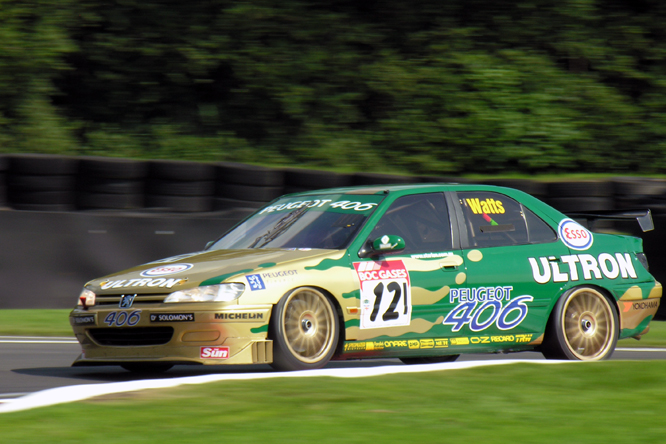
574	235
385	294
483	307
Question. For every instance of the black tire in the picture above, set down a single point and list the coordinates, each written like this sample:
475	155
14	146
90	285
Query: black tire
43	207
181	204
221	203
181	170
305	329
581	204
248	192
532	187
42	197
111	168
429	359
146	367
581	188
633	186
378	178
181	188
111	186
315	179
583	326
442	179
239	173
42	164
103	201
41	183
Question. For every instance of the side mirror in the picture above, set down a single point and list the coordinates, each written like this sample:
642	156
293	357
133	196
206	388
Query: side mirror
388	244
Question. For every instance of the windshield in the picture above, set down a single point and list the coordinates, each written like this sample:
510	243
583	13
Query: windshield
323	221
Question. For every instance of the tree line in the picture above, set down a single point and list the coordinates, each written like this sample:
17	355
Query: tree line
422	87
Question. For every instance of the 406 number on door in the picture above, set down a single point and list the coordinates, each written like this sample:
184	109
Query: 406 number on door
385	294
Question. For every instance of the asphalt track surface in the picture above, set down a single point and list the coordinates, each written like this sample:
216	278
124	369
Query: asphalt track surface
30	365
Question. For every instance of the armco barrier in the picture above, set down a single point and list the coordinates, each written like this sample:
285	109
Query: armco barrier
47	254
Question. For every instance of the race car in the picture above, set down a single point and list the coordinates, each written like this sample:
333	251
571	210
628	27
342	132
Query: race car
420	272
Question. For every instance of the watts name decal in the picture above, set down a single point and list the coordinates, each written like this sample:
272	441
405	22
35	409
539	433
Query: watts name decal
488	206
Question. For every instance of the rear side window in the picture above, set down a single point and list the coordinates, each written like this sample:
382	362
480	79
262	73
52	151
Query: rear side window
496	220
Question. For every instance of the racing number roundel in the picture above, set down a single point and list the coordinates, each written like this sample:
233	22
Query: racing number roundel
385	294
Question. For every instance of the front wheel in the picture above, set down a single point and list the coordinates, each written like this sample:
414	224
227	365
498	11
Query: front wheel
583	326
304	329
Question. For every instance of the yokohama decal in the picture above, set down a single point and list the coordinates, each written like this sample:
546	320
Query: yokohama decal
385	294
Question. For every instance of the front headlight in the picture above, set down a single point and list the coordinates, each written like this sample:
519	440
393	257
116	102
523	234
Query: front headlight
86	299
209	293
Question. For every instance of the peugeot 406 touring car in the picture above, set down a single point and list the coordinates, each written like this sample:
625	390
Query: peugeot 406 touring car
422	273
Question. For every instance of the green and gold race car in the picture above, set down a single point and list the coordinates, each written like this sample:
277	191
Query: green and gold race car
422	273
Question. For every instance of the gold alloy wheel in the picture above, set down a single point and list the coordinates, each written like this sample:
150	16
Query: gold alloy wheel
588	324
309	325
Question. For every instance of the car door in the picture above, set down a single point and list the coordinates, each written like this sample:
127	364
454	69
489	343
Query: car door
501	301
404	294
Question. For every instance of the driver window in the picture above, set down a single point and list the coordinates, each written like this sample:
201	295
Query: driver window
422	220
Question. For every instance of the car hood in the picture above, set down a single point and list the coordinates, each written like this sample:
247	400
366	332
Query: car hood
200	268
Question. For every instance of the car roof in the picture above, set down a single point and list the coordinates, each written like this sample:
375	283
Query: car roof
401	188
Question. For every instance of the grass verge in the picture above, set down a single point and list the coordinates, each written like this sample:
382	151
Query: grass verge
619	402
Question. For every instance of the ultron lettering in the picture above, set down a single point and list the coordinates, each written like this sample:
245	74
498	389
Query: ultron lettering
585	266
146	282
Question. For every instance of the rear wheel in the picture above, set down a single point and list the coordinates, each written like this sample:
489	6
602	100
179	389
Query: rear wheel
583	326
429	359
304	329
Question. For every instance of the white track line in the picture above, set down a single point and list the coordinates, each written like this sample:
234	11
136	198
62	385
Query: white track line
73	393
37	340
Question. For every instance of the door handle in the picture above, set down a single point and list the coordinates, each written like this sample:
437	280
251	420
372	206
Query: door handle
451	262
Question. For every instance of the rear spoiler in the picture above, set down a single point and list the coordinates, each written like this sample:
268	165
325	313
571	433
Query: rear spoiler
644	217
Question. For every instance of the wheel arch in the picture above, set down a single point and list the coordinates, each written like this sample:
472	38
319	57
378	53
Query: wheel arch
550	331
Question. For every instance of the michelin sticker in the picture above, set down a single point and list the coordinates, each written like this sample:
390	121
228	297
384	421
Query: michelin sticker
385	294
574	235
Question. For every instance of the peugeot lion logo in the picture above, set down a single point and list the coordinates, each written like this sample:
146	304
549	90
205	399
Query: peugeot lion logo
126	300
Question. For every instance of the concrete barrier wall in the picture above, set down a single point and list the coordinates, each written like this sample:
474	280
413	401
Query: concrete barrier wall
65	220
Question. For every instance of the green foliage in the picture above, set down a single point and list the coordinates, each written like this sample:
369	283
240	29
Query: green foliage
424	87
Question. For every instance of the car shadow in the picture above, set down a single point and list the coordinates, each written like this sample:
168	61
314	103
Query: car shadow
113	373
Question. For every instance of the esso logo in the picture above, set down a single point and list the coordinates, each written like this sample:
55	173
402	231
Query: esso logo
214	352
166	269
574	235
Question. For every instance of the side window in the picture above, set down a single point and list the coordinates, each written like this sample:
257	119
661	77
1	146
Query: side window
495	220
422	220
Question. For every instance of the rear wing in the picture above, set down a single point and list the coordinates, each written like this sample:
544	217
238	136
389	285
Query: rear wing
644	217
